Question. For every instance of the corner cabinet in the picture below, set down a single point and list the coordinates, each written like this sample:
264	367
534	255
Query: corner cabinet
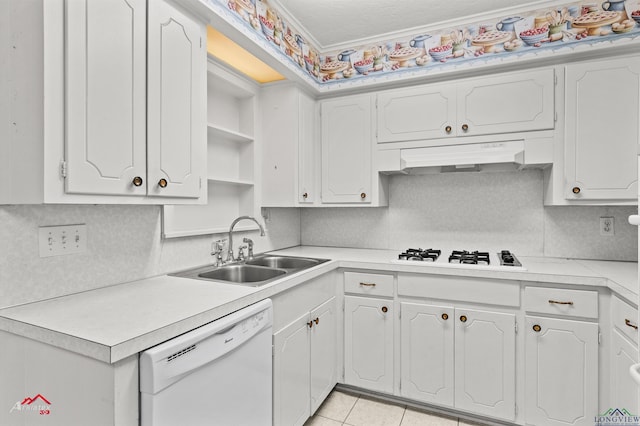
602	130
289	160
348	173
120	117
304	350
230	156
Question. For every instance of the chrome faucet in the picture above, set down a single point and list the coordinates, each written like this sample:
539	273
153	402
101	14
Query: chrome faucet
230	257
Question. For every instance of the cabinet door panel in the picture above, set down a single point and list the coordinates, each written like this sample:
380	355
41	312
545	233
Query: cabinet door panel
291	374
346	150
624	390
485	363
561	382
507	103
177	103
426	335
416	113
307	150
368	353
323	352
105	47
602	129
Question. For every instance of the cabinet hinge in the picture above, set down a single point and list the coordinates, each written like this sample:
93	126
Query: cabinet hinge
516	327
555	116
516	410
599	338
555	79
63	169
201	183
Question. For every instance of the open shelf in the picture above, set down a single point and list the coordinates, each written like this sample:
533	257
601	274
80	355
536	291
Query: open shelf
218	132
230	181
231	186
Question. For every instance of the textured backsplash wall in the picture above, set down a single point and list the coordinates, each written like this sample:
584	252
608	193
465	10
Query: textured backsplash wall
124	244
474	211
485	211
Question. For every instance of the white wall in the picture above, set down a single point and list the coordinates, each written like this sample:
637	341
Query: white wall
124	244
474	211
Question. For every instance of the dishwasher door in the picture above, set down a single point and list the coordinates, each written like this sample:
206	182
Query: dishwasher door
218	374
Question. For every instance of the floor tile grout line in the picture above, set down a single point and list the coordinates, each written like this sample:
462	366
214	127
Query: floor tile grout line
404	412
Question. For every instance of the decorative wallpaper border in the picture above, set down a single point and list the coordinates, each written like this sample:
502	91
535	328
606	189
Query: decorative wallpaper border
533	34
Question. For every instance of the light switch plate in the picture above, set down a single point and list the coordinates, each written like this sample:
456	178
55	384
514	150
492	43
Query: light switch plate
61	240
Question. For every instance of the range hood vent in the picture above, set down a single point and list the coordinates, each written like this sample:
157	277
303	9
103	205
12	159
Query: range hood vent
463	156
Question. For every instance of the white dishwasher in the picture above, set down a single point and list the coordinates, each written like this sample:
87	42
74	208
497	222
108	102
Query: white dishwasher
218	374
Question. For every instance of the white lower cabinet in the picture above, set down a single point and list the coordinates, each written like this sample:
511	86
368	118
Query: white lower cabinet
426	353
624	390
485	346
368	349
459	357
304	365
561	364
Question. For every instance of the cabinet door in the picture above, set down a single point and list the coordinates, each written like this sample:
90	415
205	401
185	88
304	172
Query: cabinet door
323	352
346	150
561	364
307	150
624	390
602	129
105	53
485	363
368	346
291	373
514	102
425	112
177	103
426	353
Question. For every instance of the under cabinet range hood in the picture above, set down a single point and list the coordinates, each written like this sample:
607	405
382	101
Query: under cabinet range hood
467	157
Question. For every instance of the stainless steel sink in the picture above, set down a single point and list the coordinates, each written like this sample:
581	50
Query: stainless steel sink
255	272
240	273
285	262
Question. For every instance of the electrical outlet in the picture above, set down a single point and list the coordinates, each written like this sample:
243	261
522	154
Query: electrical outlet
61	240
606	226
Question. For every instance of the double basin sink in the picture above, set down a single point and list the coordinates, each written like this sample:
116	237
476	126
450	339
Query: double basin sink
255	272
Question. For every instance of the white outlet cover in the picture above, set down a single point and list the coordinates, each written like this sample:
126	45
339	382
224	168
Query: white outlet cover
607	226
62	240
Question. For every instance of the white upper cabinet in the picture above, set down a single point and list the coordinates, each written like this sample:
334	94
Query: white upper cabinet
506	103
110	102
602	130
425	112
290	163
347	150
514	102
176	103
106	96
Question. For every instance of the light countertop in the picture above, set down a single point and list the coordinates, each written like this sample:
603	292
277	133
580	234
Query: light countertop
112	323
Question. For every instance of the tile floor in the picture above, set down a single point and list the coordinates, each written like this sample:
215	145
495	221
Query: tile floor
350	409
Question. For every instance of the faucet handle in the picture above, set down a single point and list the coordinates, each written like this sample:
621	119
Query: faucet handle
217	246
249	242
241	256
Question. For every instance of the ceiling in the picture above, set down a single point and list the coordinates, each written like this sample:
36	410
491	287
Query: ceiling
338	22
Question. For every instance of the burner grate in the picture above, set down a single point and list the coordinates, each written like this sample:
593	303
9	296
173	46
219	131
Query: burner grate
420	254
469	258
